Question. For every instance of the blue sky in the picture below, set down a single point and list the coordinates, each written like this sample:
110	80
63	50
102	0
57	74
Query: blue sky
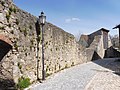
76	16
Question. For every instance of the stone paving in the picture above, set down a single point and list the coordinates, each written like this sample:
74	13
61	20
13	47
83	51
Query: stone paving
88	76
104	81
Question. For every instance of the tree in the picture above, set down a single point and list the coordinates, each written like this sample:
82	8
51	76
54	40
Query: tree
115	41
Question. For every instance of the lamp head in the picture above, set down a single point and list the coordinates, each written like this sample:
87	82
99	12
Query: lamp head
42	19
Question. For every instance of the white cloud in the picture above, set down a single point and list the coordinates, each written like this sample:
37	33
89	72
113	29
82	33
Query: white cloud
67	20
71	20
75	19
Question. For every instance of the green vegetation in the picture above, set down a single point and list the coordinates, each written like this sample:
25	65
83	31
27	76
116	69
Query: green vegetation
39	38
30	27
47	68
12	31
47	74
59	66
46	43
23	83
71	37
25	54
72	64
32	42
66	66
25	49
25	32
19	29
8	17
55	67
19	65
9	25
2	27
17	21
30	48
9	12
2	3
11	9
16	46
56	48
62	68
14	10
67	41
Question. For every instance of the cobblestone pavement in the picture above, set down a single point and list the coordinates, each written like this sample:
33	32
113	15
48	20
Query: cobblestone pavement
88	76
104	81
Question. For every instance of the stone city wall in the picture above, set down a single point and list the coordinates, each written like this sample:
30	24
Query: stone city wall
61	49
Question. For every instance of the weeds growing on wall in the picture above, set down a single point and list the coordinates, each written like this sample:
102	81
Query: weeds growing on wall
23	83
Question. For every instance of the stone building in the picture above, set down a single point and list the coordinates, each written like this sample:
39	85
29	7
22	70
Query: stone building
96	44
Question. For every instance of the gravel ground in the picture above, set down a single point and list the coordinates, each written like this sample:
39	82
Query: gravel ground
75	78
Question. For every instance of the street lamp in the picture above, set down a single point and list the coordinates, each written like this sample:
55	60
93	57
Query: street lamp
42	20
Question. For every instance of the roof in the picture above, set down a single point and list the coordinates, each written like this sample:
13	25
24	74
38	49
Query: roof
117	26
103	29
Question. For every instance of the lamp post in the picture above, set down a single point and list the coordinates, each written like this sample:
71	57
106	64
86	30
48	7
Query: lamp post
42	20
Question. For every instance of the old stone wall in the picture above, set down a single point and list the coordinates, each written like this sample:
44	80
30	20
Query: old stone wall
61	49
19	27
24	59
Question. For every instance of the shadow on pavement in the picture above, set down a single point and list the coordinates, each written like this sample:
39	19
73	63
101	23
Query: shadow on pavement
110	63
111	60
